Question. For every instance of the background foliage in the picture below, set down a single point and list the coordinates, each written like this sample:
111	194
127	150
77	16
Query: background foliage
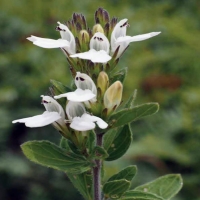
164	69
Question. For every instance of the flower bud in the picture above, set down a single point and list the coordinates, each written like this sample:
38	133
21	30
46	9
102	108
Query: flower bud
113	96
97	28
102	82
84	37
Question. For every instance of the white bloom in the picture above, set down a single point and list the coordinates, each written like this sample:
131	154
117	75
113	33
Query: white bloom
67	41
80	120
54	114
99	49
119	38
86	89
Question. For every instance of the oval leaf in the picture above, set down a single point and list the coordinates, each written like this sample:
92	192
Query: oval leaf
115	189
128	115
83	183
128	173
48	154
119	144
165	186
138	195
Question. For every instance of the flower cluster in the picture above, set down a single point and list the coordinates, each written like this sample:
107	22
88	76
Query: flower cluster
92	55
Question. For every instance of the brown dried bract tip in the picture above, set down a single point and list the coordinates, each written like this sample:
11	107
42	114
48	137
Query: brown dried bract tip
113	22
101	16
79	19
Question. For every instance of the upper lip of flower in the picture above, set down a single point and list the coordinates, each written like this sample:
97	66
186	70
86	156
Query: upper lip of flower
66	42
99	49
86	89
119	38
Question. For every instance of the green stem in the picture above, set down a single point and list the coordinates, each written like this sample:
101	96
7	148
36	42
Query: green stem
97	171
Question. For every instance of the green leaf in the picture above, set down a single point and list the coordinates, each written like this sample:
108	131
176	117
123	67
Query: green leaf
166	186
64	144
49	155
90	141
138	195
60	88
128	115
83	183
128	173
118	143
119	76
115	189
99	153
130	101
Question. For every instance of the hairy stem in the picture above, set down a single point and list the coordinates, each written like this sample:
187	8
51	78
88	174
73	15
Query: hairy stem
97	171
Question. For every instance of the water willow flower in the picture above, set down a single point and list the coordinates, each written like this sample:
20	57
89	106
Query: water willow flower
99	49
67	41
54	114
86	89
119	38
80	120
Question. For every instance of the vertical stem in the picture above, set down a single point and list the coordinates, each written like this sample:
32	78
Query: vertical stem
97	171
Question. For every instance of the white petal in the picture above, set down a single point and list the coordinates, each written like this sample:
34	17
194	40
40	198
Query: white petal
52	105
48	43
83	81
75	109
39	120
78	95
80	124
100	42
93	55
101	123
137	37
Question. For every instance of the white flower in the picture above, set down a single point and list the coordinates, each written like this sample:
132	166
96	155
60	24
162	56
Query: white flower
67	41
80	120
86	89
99	49
54	114
119	38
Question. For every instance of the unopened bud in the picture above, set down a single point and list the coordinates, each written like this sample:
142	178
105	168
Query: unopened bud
84	37
102	82
97	28
113	96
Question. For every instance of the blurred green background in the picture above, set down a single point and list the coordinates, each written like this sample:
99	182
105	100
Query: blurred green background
164	69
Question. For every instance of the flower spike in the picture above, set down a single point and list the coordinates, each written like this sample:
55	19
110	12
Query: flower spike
119	38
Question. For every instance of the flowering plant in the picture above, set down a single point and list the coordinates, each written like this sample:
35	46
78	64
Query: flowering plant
93	122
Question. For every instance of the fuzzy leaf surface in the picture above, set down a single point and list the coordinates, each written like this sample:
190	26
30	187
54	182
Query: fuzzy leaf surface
166	186
83	183
127	173
139	195
50	155
128	115
118	142
115	189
